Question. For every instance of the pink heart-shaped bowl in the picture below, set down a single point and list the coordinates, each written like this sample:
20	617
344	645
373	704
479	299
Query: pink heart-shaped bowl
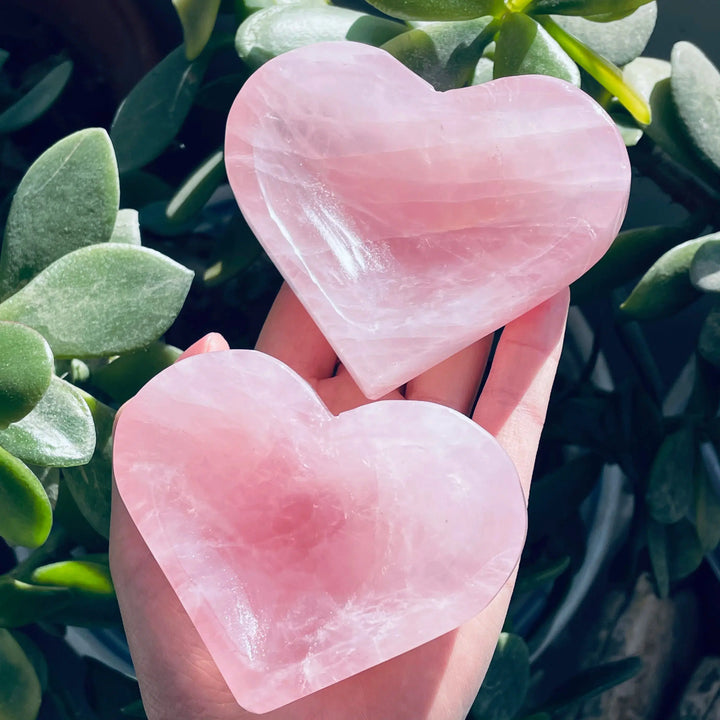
411	222
307	547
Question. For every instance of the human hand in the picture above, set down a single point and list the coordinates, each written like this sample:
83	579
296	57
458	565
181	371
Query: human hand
436	681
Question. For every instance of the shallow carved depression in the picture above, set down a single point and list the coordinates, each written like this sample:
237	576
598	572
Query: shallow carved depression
305	547
410	222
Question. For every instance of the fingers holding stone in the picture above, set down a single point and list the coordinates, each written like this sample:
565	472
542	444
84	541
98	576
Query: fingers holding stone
290	335
453	382
513	403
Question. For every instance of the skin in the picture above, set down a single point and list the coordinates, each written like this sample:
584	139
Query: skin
437	681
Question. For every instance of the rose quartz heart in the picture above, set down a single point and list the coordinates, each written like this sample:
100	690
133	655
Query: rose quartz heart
411	222
307	547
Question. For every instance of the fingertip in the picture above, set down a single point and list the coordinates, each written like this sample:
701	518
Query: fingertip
212	342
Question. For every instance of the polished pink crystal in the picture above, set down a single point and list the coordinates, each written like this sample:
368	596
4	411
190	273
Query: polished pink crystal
307	547
411	222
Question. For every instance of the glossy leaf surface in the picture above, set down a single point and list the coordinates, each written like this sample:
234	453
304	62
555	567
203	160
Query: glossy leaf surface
524	48
276	30
192	195
154	111
665	288
86	576
26	515
26	366
444	54
58	432
68	199
102	300
607	9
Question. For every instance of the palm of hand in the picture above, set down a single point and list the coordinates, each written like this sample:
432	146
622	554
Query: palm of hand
436	681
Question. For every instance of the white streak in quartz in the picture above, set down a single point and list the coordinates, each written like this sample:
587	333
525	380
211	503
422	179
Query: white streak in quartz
409	222
304	547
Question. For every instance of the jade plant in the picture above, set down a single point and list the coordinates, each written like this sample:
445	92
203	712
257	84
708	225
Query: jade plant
80	299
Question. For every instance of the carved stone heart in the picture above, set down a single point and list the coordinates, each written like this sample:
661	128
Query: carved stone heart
411	222
307	547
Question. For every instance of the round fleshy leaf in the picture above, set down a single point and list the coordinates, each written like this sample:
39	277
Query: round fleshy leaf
277	30
197	18
22	603
153	112
444	53
438	9
695	86
37	100
68	199
665	288
26	516
84	576
619	41
127	228
26	366
606	9
102	300
705	268
20	690
58	432
524	48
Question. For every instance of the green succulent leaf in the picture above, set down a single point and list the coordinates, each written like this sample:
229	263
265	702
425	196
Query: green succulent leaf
127	228
670	489
607	9
657	548
709	341
276	30
665	288
695	87
124	376
197	18
607	74
26	366
524	48
540	574
192	195
705	267
22	603
150	117
593	681
90	577
68	199
91	485
26	516
444	53
37	100
506	682
20	690
58	432
102	300
35	656
685	552
438	9
618	41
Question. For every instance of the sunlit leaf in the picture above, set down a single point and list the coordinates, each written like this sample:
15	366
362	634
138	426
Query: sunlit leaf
68	199
192	195
198	20
127	228
438	9
102	300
